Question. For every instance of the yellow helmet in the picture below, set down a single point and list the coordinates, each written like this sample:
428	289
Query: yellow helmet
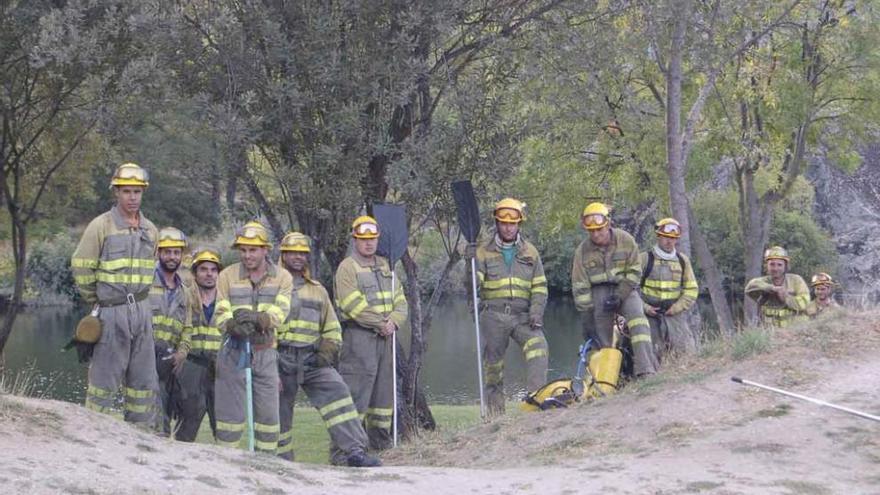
130	174
509	210
206	255
170	237
821	278
776	253
595	216
295	242
365	227
252	234
668	227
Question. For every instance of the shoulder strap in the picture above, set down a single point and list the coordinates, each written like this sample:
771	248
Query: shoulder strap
649	267
681	264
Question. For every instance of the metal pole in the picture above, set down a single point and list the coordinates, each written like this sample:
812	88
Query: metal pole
479	345
249	386
394	363
808	399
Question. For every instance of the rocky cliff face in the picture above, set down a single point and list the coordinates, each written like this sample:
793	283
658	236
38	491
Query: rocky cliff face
848	206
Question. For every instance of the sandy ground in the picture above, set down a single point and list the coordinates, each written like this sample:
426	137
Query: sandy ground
688	430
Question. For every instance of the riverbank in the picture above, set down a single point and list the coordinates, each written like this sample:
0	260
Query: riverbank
687	430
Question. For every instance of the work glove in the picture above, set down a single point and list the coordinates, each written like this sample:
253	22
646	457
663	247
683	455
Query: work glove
264	323
611	303
470	251
326	353
242	325
536	322
624	288
243	315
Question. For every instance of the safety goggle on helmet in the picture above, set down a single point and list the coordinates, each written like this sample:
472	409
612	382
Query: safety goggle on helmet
595	216
295	242
668	227
130	174
821	279
170	237
252	234
365	227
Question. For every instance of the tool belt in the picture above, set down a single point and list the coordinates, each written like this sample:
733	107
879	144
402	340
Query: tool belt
130	299
505	306
288	348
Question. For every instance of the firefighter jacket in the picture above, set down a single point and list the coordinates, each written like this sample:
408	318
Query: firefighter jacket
815	308
205	336
522	285
114	263
615	264
670	284
169	313
363	293
311	316
270	295
776	312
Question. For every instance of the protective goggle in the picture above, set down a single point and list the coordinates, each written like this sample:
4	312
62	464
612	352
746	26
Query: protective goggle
172	235
366	228
132	173
821	280
508	215
250	232
595	220
669	228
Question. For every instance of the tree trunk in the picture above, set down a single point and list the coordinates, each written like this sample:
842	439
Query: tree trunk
713	279
19	253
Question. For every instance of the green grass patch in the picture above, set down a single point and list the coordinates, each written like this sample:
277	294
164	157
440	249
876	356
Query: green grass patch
749	343
311	444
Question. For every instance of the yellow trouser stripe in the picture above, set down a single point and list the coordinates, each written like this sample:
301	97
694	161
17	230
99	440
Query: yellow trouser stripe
639	321
264	428
138	394
641	338
341	418
535	354
338	404
221	425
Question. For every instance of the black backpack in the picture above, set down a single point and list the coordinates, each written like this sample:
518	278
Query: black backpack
650	267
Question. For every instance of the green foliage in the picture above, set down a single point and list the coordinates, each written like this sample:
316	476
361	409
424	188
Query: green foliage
749	343
48	267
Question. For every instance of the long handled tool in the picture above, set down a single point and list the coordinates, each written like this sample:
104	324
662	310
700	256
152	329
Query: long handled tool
469	223
392	245
808	399
249	387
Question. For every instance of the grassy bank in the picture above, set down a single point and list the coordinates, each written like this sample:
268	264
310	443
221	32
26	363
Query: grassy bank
312	444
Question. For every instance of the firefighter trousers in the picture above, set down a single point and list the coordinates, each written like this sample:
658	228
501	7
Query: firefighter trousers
194	397
366	367
124	357
598	324
497	328
230	395
327	393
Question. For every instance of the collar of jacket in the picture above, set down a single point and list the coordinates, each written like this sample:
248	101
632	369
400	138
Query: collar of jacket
121	223
271	270
663	255
611	244
493	243
363	261
159	280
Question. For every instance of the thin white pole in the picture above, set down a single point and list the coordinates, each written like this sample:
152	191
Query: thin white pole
808	399
479	345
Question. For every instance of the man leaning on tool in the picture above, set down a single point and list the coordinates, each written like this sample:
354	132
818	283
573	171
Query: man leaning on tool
113	268
370	315
513	295
782	297
604	276
669	289
308	349
253	298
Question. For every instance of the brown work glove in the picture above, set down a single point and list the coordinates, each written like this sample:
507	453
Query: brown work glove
264	322
243	324
327	353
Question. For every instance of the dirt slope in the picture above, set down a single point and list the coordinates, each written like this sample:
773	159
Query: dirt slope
689	430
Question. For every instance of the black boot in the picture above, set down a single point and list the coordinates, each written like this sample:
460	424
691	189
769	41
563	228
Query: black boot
362	459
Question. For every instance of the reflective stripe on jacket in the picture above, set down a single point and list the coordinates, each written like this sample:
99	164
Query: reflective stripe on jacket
169	313
523	281
270	295
205	337
113	260
363	293
311	315
663	286
592	265
776	312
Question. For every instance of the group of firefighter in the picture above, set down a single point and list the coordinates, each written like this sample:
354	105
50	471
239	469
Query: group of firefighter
185	342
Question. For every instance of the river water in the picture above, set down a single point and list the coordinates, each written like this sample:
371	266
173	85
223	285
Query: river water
449	375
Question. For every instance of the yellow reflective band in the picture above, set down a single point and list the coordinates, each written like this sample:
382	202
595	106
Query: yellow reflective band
83	263
168	322
123	278
283	449
341	418
282	300
540	279
535	354
375	423
632	277
233	427
584	299
302	325
267	446
638	322
663	284
598	279
138	394
206	345
692	293
138	408
102	393
162	335
379	411
264	428
533	342
383	308
505	282
504	293
481	276
399	298
640	339
539	290
224	304
580	286
659	294
333	335
298	337
117	264
494	366
338	404
92	406
84	279
350	298
361	306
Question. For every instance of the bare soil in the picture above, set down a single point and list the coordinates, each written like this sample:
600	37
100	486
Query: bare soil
687	430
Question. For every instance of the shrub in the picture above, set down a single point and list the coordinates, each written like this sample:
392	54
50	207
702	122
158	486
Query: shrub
48	267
